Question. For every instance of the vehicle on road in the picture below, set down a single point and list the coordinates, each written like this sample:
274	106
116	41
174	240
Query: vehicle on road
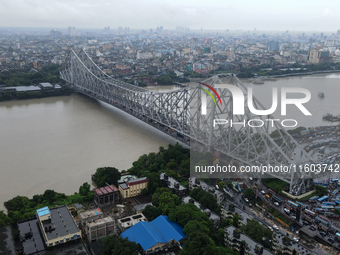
263	192
305	222
295	239
246	199
286	210
331	240
323	233
276	203
271	229
275	227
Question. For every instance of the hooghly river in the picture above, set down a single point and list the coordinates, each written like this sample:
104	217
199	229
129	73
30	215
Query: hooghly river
57	143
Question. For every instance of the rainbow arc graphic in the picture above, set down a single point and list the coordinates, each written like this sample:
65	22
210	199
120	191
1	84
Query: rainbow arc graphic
209	93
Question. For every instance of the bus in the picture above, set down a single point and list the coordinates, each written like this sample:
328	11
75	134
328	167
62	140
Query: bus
312	199
310	213
323	221
277	199
323	227
327	207
307	218
335	192
329	203
323	218
292	204
304	206
322	198
271	192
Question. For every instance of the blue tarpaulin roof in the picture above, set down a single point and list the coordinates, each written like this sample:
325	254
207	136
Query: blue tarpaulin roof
160	230
43	211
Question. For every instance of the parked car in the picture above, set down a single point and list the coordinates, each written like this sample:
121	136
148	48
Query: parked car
323	233
276	203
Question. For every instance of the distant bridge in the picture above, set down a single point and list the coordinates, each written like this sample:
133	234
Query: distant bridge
179	114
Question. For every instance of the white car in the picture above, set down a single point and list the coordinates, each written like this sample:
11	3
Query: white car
275	227
295	239
263	192
270	228
251	178
276	203
246	199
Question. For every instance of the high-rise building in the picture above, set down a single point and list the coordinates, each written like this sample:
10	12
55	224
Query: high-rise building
55	34
126	29
273	45
107	30
72	31
120	29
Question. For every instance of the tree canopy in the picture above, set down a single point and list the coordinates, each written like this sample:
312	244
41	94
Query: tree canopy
117	245
105	176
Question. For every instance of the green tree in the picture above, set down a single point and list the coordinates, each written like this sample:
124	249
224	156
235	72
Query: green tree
117	245
183	213
199	243
222	184
236	220
230	184
321	190
256	231
4	220
151	212
85	192
249	193
106	175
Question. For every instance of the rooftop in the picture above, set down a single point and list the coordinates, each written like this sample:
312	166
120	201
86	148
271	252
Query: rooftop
171	182
141	206
46	85
105	190
251	243
90	213
62	221
137	181
160	230
33	240
105	220
43	211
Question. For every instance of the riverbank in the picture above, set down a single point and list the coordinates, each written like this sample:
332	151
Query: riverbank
6	95
300	74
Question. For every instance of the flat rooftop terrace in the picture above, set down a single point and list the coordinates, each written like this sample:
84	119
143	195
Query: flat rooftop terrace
62	222
33	242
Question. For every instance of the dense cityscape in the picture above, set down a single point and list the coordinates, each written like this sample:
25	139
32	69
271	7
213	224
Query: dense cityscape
156	206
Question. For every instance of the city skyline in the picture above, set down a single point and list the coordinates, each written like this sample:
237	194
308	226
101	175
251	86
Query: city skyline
215	15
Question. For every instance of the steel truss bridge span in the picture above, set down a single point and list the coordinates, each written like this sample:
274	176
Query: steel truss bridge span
179	114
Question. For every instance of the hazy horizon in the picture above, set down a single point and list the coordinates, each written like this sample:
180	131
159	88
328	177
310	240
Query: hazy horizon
218	15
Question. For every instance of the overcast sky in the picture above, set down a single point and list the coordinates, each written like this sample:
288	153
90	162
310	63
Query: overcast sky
298	15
